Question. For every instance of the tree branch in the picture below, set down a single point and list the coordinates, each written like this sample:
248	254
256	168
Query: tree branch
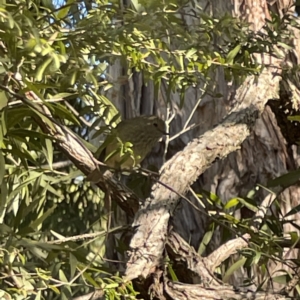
176	290
185	167
77	152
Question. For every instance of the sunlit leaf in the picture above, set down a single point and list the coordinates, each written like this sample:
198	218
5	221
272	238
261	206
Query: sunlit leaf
233	268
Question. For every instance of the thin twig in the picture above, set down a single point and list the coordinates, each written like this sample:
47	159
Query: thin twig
85	236
167	140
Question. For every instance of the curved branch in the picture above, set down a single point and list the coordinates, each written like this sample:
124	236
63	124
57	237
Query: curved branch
77	152
186	166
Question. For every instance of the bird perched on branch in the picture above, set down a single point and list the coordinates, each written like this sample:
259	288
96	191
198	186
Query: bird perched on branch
132	139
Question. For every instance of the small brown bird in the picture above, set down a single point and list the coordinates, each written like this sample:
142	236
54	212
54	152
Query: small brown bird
132	139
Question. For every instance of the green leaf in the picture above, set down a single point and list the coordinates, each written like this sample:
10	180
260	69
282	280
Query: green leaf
90	279
138	7
231	203
29	180
249	203
172	273
48	152
42	68
232	54
63	12
24	210
4	295
38	295
236	266
3	100
206	239
73	265
36	223
64	113
285	180
293	211
190	53
294	118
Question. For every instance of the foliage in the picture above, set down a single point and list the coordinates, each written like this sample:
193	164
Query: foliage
62	53
268	245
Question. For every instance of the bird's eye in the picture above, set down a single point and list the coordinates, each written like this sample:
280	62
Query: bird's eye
155	124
